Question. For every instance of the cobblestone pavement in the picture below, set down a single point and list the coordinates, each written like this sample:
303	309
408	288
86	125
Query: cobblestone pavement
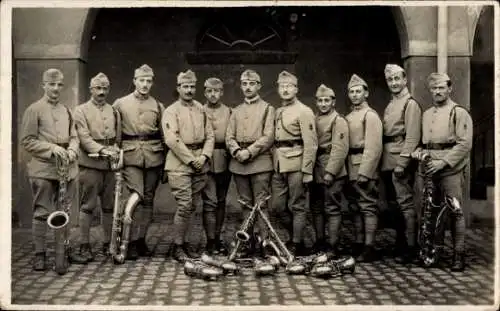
156	281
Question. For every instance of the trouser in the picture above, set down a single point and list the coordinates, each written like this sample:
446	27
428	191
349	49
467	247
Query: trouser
186	190
290	203
45	201
96	184
214	203
144	182
326	205
252	188
451	185
363	202
400	199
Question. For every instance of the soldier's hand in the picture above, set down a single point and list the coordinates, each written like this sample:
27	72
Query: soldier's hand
72	156
362	179
307	178
328	179
244	154
202	160
435	166
60	153
399	171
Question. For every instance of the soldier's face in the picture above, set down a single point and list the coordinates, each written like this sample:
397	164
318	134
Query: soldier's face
440	91
53	89
186	91
357	94
396	82
250	88
325	103
143	84
99	93
287	90
213	95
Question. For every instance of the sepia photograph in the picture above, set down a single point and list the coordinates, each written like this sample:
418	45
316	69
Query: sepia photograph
258	154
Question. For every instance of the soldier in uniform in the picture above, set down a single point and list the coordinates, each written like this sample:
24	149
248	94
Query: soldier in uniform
218	177
97	125
190	138
365	150
447	137
143	155
329	171
249	137
48	134
294	155
402	131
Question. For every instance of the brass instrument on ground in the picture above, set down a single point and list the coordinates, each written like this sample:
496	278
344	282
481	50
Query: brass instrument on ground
59	219
116	229
432	223
226	265
200	270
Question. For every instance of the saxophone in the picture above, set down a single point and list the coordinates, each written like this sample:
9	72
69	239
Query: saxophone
116	229
433	213
59	219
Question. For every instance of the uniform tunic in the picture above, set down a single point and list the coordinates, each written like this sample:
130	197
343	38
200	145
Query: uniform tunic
402	123
251	127
97	128
219	116
333	141
46	125
365	131
186	125
140	116
295	121
444	124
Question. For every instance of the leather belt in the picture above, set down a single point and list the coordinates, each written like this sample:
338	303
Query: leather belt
195	146
220	146
324	150
392	139
245	144
436	146
145	137
356	150
106	141
63	145
288	143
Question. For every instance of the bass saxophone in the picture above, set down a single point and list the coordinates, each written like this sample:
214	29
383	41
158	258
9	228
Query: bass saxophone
116	229
59	219
432	225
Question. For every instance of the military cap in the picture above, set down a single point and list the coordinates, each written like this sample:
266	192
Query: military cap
52	75
186	77
355	81
99	80
436	77
144	71
286	77
391	69
251	75
213	83
324	91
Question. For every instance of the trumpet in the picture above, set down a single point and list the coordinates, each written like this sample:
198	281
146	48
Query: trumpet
279	247
242	235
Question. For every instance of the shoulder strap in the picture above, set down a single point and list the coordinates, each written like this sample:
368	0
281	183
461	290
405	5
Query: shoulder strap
70	119
403	113
332	125
266	112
